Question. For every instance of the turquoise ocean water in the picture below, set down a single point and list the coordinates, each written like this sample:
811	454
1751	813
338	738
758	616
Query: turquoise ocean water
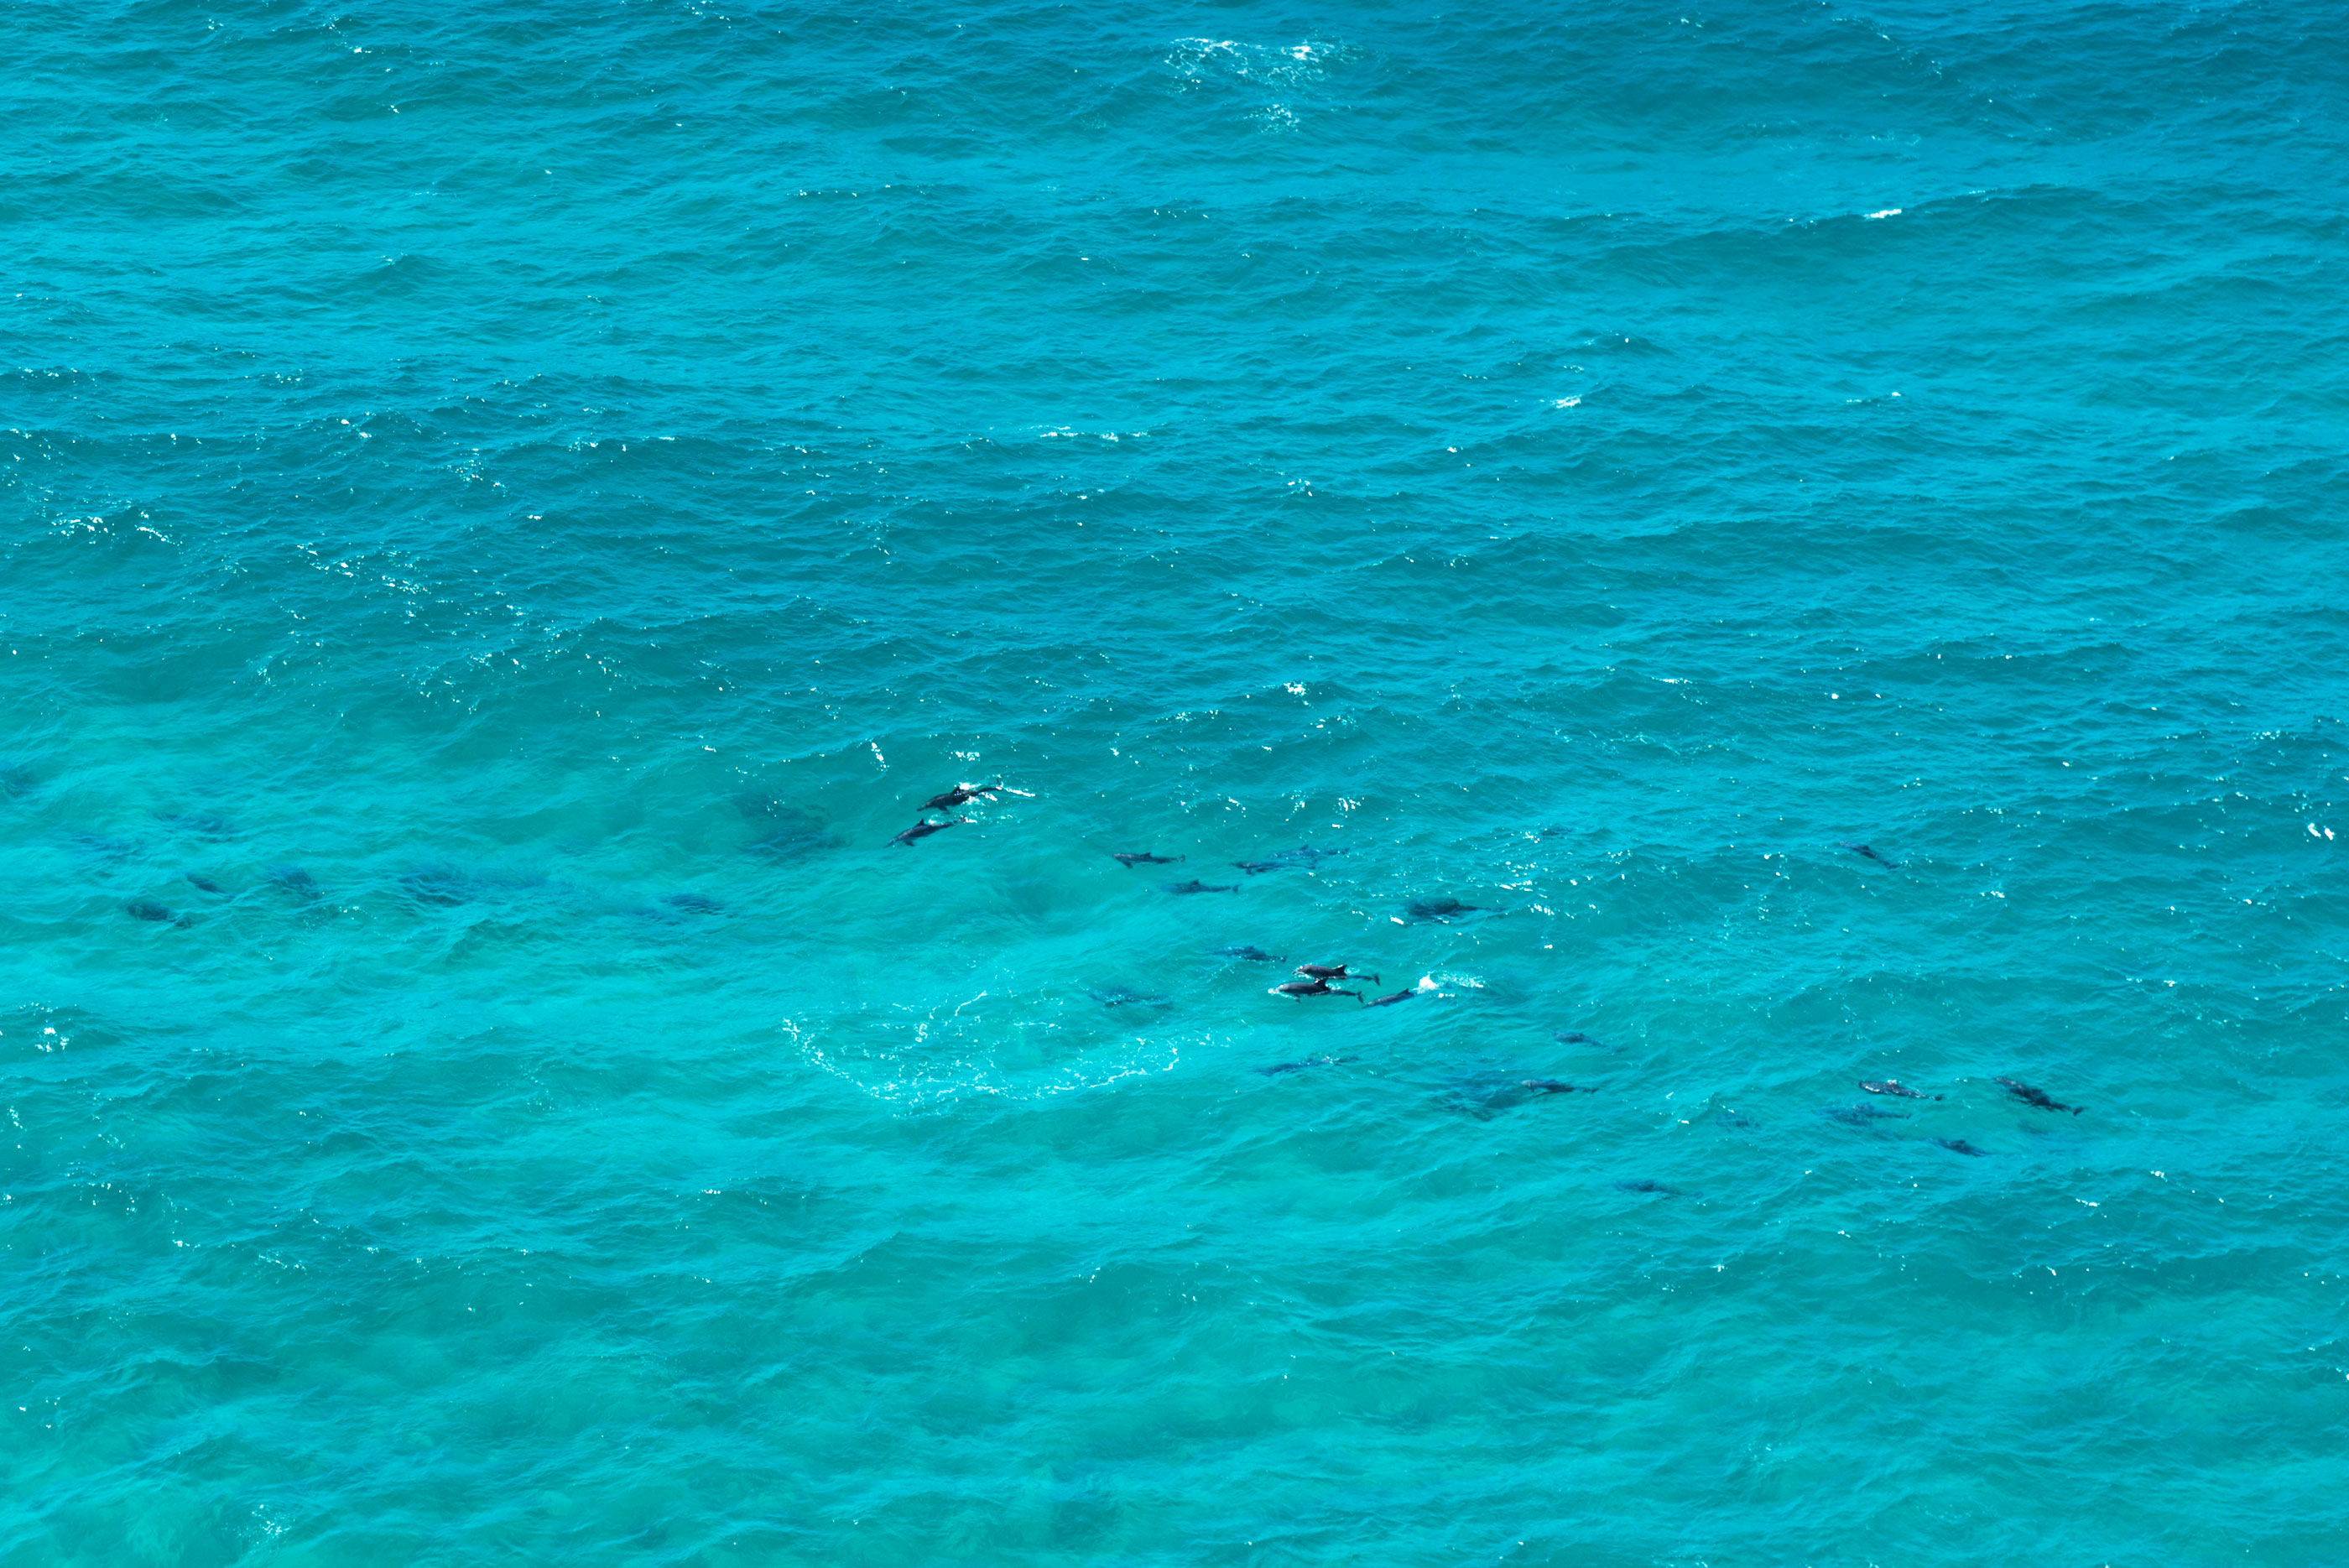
505	510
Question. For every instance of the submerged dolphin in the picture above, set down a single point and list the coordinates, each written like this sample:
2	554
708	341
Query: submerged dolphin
1252	954
1872	855
1130	861
1277	1068
1194	886
1486	1095
1119	996
295	880
2032	1096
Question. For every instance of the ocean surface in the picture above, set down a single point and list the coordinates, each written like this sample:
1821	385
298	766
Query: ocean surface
506	510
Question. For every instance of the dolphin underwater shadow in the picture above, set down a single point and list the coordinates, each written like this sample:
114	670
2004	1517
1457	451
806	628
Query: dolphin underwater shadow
447	886
1439	910
782	832
1482	1096
1119	996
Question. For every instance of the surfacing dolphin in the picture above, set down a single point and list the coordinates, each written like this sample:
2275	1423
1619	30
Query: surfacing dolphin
1313	988
1892	1086
963	794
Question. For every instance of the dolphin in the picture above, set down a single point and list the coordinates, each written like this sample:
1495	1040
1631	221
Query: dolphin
1421	909
1194	886
1390	1001
295	880
1277	1068
1314	988
1484	1096
1872	855
960	793
1131	861
2032	1096
1118	996
149	909
1892	1086
1959	1146
1252	954
206	884
1332	971
105	846
1643	1185
789	832
923	828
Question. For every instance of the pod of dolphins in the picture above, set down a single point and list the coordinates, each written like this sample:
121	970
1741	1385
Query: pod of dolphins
1494	1093
1317	977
